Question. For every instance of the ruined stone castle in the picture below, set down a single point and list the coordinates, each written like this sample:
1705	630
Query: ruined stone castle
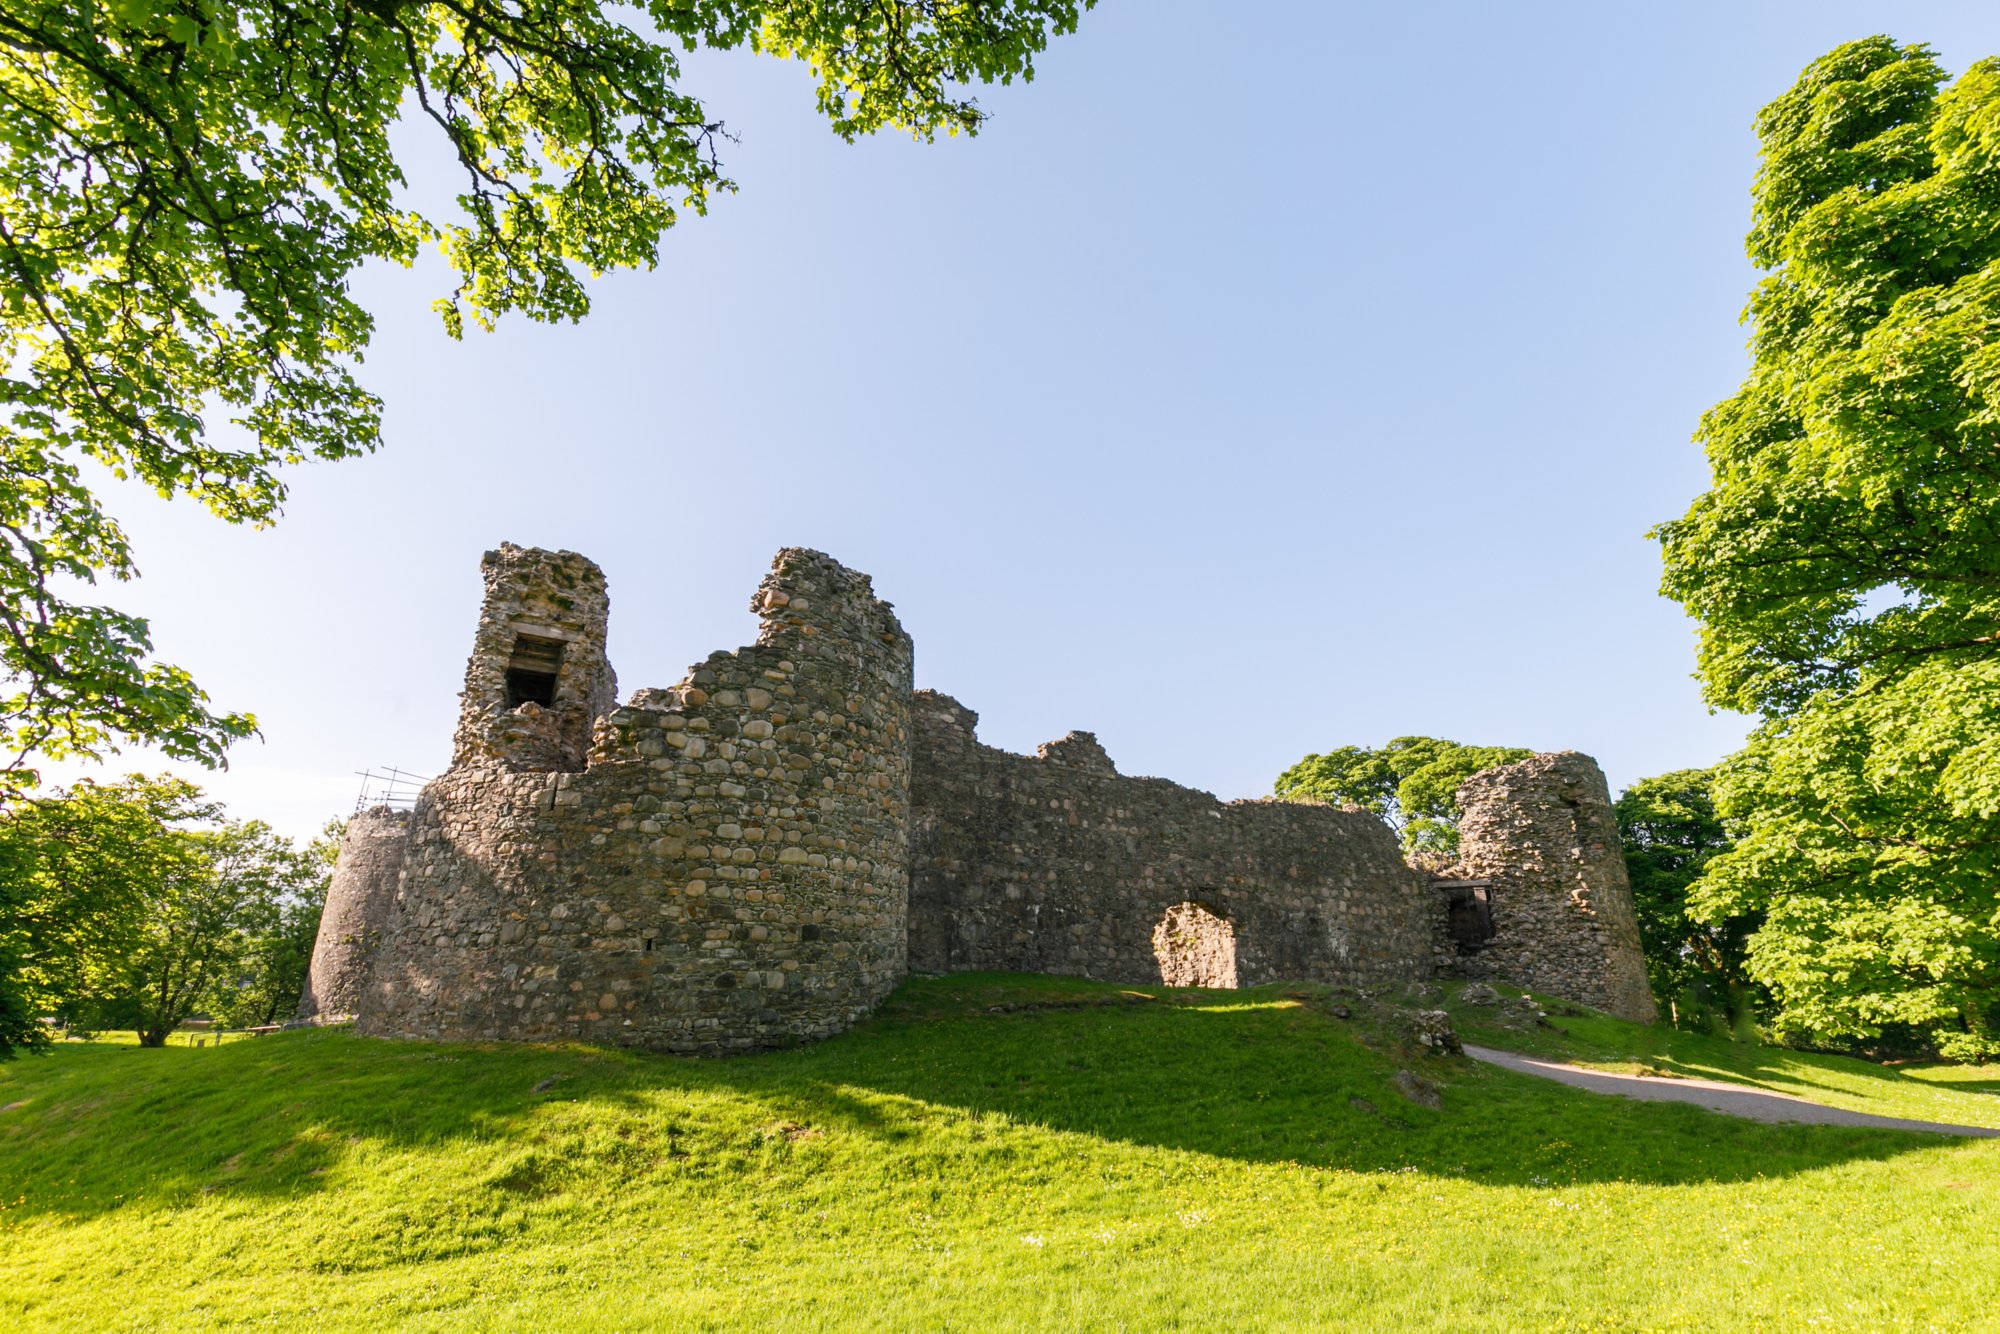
757	856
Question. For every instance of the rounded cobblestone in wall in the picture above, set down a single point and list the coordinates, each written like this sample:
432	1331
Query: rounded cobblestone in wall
1544	832
358	900
727	872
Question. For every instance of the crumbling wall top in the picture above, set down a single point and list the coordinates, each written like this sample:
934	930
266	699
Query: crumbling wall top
811	599
811	610
1078	750
944	718
537	677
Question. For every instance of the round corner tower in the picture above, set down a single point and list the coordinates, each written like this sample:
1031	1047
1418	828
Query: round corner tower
1542	833
719	866
357	904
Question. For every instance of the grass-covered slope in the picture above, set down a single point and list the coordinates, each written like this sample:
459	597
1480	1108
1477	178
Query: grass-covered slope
1931	1093
1916	1092
989	1153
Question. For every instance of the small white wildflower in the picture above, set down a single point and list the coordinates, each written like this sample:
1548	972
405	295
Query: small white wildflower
1031	1239
1193	1218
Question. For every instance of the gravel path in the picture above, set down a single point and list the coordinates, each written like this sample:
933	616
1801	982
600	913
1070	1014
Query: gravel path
1729	1099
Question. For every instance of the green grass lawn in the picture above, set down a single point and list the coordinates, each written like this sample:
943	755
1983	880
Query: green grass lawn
988	1153
1919	1092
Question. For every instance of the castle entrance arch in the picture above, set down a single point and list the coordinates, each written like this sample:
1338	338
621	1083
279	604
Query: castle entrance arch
1196	947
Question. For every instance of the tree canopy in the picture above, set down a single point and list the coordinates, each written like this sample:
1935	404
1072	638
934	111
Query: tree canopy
1671	832
1412	783
136	904
187	187
1845	563
80	868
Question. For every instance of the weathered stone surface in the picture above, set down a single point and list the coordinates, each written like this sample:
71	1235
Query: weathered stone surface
1078	750
1056	864
1544	832
1417	1089
1195	948
727	872
755	856
543	609
357	905
1433	1031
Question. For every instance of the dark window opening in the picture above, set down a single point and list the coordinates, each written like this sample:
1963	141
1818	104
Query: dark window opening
532	669
530	688
1469	918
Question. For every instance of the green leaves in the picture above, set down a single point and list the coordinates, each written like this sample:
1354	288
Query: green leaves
137	904
1869	838
187	187
1412	783
1845	563
901	65
1859	453
1697	966
80	870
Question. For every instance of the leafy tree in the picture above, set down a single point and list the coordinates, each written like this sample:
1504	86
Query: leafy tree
213	929
1671	831
1845	562
187	187
137	905
1412	783
277	945
20	1015
81	871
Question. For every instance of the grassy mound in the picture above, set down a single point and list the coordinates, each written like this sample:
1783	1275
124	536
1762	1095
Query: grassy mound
988	1153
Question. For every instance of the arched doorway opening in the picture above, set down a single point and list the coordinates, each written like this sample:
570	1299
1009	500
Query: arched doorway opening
1196	947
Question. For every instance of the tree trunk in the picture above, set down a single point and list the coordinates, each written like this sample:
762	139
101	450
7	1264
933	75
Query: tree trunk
153	1037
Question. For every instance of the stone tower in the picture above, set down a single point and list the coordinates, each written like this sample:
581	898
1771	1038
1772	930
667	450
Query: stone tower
357	904
1543	832
720	866
537	678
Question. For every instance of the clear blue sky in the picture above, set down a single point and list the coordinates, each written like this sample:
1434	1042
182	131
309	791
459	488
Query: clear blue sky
1264	379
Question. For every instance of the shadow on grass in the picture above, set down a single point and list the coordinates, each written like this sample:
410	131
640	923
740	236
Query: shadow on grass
1257	1076
1588	1036
1954	1085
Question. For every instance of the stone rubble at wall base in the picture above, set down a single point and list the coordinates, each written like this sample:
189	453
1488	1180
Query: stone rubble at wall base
757	856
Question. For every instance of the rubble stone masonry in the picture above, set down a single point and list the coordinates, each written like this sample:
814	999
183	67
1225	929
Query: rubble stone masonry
757	856
1058	864
1543	831
726	872
357	905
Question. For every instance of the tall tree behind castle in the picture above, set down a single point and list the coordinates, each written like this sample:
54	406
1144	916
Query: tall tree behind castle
1845	563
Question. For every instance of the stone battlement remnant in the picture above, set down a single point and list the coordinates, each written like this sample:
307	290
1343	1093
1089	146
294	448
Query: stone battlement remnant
1543	832
756	856
1055	863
